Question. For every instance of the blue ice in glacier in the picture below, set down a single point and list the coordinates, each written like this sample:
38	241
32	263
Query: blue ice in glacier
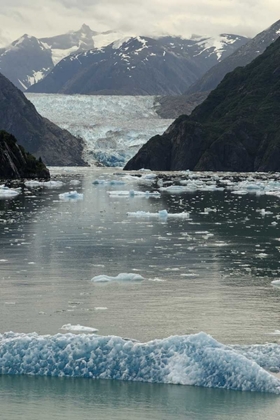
196	359
112	127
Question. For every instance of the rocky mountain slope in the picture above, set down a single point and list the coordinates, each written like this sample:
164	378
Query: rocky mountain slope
36	134
139	66
235	129
241	57
15	163
25	61
172	107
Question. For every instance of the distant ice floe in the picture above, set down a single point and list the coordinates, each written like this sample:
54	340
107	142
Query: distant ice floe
108	182
74	182
133	193
71	196
6	192
122	277
47	184
162	214
190	186
78	327
196	359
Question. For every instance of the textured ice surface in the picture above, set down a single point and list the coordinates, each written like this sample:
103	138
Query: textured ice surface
71	195
113	127
122	277
187	360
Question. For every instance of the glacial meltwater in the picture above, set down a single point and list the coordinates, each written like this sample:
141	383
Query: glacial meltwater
133	296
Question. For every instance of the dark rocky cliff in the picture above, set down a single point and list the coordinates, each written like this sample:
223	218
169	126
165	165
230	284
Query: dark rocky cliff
15	163
235	129
36	134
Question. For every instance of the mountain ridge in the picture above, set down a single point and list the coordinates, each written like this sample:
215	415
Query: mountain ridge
235	129
138	66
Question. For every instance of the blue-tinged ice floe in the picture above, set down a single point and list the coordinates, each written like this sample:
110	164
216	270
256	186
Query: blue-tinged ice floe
122	277
71	196
133	193
195	359
162	214
6	192
79	328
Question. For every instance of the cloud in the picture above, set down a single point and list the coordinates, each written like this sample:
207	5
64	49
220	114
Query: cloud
146	17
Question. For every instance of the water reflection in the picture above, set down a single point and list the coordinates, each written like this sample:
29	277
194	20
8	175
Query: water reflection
45	398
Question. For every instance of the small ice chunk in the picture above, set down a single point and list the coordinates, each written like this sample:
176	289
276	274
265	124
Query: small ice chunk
6	192
74	182
133	193
71	195
163	214
276	283
122	277
78	327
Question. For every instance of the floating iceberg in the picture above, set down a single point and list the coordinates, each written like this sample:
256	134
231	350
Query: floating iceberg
71	196
276	283
48	184
78	327
133	193
163	214
108	182
6	192
187	360
74	182
120	277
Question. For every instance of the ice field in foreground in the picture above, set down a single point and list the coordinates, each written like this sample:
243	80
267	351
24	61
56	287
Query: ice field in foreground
195	359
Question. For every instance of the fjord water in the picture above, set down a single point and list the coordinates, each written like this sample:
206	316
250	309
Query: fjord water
210	272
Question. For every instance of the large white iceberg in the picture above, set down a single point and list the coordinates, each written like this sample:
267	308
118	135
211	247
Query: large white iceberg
187	360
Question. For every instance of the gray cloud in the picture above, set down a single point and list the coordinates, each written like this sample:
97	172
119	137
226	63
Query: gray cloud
178	17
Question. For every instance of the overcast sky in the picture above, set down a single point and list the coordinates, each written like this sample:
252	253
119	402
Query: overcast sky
42	18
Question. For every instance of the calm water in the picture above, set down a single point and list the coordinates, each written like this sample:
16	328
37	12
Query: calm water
211	272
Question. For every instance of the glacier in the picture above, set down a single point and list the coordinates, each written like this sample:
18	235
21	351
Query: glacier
113	127
196	359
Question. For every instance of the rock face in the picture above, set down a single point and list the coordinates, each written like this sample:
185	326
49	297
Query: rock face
36	134
138	66
15	163
235	129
